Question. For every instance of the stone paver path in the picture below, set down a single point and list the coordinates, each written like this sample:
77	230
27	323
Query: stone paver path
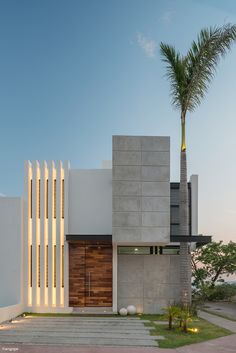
79	331
219	321
219	345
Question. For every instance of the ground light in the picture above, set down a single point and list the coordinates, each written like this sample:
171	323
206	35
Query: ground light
194	330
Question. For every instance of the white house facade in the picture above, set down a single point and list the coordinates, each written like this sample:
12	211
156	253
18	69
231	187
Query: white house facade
97	239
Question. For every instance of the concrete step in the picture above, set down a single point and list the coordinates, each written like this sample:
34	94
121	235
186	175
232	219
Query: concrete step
80	318
78	341
117	335
76	329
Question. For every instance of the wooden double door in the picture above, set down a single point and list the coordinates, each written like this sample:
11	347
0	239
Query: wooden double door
90	274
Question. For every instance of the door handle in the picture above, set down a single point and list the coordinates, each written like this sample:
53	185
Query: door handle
89	283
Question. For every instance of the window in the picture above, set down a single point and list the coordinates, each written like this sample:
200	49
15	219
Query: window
39	266
54	198
54	266
62	198
170	250
148	250
30	267
47	266
62	266
134	250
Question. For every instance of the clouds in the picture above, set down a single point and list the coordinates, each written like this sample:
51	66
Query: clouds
167	17
147	45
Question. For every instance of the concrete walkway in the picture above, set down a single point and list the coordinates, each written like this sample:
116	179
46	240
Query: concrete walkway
228	309
219	345
219	321
79	331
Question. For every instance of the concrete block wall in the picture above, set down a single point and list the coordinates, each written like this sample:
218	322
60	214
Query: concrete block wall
150	282
11	251
141	190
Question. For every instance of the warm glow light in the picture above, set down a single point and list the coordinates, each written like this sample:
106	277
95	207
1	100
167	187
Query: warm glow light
195	330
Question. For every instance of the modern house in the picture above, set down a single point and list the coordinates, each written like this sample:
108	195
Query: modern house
97	239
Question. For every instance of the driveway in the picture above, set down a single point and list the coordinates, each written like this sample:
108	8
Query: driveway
219	345
78	331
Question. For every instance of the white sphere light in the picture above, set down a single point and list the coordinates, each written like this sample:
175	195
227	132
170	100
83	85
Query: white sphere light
123	312
131	310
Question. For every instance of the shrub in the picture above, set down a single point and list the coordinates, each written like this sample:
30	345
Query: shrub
172	312
185	316
223	291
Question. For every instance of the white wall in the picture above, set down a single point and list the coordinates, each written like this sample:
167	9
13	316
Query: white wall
11	238
90	201
10	312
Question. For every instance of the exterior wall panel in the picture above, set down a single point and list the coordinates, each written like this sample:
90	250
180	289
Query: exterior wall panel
150	282
141	189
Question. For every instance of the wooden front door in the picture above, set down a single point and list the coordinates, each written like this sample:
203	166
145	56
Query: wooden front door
90	274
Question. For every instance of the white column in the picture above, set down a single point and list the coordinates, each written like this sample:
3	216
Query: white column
66	231
114	278
43	176
50	232
58	233
35	177
27	233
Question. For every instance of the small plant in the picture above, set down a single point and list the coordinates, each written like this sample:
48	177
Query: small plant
172	312
184	317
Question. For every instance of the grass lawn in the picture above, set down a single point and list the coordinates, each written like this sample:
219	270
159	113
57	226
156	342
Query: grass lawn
177	338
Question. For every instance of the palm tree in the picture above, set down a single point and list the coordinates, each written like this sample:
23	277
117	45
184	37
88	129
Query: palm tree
189	77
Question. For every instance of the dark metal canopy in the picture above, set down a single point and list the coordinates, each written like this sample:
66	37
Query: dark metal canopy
88	237
199	239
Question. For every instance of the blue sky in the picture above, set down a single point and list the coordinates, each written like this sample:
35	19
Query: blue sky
72	73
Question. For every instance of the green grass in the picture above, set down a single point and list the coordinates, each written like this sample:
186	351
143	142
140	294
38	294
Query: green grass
176	338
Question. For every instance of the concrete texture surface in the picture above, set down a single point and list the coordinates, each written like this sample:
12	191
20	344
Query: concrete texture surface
219	321
79	331
219	345
148	282
141	171
227	309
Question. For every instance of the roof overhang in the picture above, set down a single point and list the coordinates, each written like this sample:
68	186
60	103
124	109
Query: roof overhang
198	239
88	237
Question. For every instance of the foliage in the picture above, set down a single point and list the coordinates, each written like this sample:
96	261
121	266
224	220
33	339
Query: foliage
177	338
179	314
190	75
185	317
211	262
172	312
223	291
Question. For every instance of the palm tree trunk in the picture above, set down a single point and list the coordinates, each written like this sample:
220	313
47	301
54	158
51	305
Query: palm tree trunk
185	260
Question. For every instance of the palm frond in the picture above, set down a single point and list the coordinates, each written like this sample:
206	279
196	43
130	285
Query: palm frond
203	58
191	75
176	73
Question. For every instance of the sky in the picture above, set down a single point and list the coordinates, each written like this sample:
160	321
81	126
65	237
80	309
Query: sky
75	72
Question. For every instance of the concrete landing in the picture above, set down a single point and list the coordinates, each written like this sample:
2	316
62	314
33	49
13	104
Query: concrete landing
78	331
92	310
